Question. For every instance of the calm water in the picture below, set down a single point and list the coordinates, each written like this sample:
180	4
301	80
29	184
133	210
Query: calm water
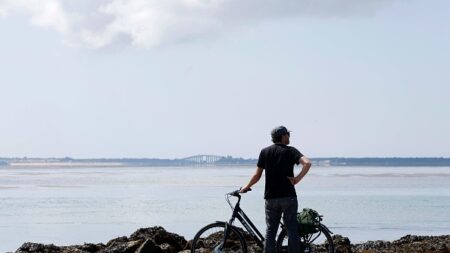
75	205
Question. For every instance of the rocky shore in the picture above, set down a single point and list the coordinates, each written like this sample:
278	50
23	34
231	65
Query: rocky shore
158	240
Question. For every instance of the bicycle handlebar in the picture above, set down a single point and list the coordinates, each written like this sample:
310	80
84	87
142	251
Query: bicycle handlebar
237	192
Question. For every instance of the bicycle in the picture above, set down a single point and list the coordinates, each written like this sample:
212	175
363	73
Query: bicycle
223	237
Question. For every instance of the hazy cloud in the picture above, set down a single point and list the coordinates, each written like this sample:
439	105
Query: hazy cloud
45	13
147	23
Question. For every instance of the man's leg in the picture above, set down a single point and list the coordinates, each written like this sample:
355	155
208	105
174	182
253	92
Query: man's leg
273	216
290	207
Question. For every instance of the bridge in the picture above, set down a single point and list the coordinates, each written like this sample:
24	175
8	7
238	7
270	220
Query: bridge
203	159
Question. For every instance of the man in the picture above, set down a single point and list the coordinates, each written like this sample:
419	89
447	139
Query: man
278	162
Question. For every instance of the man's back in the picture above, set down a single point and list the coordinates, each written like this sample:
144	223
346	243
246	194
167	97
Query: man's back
278	161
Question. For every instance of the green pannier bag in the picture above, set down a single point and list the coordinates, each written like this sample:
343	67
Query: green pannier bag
308	221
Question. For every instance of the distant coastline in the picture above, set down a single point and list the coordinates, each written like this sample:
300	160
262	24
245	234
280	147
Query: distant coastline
214	160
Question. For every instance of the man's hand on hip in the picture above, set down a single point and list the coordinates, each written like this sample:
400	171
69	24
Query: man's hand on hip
294	180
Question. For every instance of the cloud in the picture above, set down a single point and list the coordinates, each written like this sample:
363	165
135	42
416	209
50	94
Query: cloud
46	13
149	23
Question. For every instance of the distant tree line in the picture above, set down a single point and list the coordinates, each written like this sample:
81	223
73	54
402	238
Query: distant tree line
383	161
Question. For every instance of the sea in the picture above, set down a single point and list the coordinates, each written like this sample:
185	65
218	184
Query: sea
68	206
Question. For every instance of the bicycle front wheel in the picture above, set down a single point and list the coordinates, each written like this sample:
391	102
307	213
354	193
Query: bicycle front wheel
318	242
210	239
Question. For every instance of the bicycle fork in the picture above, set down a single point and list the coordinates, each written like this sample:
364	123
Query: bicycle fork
219	248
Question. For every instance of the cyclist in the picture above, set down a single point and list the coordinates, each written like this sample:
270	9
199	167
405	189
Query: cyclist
278	162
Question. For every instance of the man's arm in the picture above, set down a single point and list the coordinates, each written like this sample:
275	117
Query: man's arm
306	165
255	178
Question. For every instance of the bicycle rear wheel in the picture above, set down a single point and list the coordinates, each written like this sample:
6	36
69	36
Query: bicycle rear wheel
210	240
319	242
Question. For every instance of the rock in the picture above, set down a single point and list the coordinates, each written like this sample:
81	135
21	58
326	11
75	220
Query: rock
188	246
117	241
372	246
167	248
252	245
407	244
149	247
41	248
341	244
120	246
72	250
442	248
160	236
90	247
30	247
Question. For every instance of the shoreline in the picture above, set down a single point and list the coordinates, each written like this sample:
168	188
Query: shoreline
156	239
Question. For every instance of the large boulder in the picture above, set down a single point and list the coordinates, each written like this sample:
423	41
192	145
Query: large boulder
160	236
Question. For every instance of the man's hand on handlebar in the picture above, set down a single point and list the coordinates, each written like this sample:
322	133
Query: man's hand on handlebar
245	189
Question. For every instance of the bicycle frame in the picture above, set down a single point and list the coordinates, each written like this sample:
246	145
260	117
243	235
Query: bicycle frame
243	219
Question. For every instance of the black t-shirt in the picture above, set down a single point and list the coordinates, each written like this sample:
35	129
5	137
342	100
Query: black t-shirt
278	161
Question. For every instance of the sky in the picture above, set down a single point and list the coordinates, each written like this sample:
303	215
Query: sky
175	78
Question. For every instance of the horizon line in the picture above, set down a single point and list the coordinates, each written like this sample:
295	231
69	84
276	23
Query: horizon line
228	156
